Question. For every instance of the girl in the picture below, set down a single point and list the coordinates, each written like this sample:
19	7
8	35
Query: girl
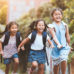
37	54
9	43
60	34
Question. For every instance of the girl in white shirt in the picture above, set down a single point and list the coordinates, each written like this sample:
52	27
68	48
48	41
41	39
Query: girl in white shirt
37	55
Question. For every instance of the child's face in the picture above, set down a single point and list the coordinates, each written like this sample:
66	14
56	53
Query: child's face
57	16
40	26
13	29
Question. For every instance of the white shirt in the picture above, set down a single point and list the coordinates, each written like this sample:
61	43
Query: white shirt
38	43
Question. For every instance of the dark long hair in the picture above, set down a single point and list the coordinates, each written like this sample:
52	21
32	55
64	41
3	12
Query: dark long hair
33	25
8	26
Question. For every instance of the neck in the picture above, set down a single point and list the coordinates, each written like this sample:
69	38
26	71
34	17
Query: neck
12	34
40	33
58	23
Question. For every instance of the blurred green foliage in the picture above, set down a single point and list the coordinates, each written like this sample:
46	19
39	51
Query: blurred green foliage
3	11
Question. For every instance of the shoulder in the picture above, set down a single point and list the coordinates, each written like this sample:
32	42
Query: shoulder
29	36
6	33
18	33
2	38
65	24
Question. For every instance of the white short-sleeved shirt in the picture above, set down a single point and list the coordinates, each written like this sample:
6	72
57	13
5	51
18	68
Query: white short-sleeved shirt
10	49
38	43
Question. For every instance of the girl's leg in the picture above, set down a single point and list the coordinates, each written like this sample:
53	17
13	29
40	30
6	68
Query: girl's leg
56	69
41	69
63	67
7	69
16	62
34	65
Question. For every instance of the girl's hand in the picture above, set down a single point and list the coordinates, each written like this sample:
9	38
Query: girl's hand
23	48
18	49
59	46
52	46
1	52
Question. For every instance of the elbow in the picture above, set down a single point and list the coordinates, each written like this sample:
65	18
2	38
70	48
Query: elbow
68	40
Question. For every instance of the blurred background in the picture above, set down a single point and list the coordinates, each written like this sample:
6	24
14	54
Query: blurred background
26	11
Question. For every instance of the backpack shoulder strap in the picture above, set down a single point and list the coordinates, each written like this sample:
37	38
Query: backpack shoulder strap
18	39
7	36
18	34
64	24
44	37
33	36
44	42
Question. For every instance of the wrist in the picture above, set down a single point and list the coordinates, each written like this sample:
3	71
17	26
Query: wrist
59	45
0	50
19	48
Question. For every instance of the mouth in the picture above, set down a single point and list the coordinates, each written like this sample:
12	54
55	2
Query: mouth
58	18
41	30
14	32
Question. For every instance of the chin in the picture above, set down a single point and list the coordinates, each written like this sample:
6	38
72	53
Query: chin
58	20
41	31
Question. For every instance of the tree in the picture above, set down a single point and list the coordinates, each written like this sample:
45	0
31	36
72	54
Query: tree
3	14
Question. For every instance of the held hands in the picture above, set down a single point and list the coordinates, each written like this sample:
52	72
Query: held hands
52	46
59	46
18	49
21	48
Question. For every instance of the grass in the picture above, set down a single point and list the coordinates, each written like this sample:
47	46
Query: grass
71	56
2	66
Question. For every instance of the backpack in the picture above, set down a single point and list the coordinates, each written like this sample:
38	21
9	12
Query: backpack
44	35
7	36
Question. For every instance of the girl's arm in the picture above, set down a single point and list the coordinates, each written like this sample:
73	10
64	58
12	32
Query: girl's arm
1	41
1	51
54	37
67	35
23	42
52	46
0	46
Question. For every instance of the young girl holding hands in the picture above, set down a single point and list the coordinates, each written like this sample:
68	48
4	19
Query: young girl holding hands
9	42
60	33
37	55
